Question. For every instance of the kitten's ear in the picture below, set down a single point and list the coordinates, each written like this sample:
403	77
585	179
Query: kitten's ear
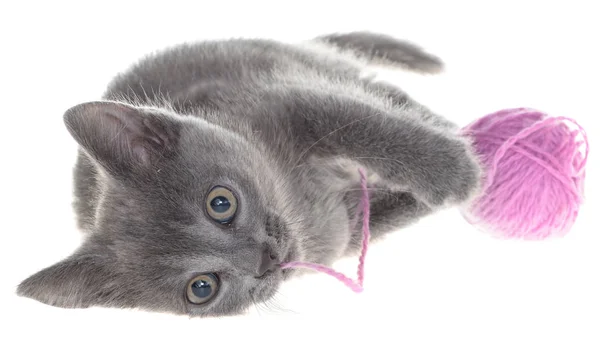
78	281
120	136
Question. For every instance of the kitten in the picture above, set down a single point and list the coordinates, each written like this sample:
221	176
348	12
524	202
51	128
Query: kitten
209	164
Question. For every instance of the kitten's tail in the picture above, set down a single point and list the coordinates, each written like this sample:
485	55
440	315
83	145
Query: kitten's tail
385	50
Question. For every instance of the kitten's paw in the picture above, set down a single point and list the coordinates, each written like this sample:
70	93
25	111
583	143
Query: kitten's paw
452	174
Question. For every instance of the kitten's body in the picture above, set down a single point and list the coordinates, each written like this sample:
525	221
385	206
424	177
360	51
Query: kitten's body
286	127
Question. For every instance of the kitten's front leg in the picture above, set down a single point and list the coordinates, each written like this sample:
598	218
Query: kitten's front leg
436	166
406	105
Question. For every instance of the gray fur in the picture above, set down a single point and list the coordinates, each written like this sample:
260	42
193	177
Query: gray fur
379	48
285	127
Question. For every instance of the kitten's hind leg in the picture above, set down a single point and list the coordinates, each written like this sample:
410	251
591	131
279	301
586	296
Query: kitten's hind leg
390	211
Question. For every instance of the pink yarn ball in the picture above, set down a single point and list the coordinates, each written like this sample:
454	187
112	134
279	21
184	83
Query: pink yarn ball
534	173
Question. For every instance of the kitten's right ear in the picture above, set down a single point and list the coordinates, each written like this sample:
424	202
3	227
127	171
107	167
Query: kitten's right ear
121	137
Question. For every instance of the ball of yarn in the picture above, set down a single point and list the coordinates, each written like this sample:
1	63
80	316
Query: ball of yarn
534	176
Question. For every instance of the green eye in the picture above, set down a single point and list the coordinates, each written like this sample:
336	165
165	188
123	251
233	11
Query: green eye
202	288
221	205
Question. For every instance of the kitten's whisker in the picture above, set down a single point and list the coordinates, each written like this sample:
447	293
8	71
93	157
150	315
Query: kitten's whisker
256	305
378	158
374	189
271	306
278	306
349	158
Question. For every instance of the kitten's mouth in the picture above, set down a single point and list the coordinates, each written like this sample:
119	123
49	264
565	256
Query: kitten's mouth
267	284
290	257
270	273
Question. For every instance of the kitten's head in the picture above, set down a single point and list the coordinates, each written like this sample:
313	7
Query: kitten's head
190	218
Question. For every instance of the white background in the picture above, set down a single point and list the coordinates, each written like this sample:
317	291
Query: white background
440	277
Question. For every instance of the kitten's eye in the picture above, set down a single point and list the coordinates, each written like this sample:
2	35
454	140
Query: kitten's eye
202	288
221	205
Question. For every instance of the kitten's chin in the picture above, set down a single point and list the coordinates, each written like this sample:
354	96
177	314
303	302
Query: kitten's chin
268	285
287	273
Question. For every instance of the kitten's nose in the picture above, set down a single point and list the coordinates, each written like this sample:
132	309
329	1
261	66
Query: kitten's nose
268	261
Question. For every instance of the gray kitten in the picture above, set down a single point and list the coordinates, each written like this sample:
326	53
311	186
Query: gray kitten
208	165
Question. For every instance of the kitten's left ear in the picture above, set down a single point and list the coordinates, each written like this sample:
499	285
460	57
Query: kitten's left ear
79	281
122	137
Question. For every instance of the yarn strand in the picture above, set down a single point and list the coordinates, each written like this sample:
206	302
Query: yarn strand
356	286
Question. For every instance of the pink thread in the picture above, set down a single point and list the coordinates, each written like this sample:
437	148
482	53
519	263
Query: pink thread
534	173
356	286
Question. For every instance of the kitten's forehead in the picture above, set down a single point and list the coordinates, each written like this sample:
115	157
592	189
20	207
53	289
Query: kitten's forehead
211	152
